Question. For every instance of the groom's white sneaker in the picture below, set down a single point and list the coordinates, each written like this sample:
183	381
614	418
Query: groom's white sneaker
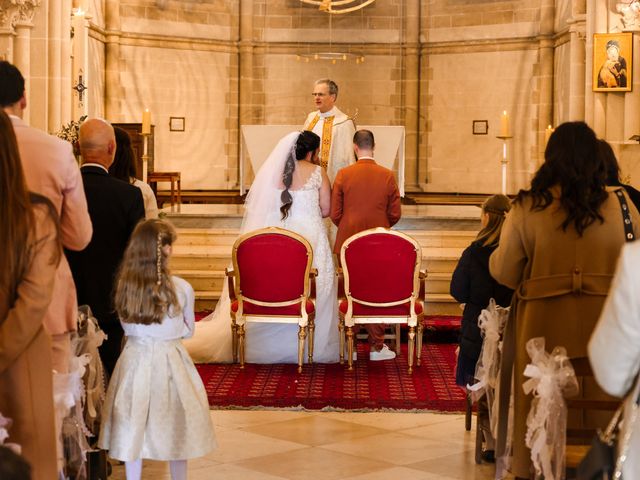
383	354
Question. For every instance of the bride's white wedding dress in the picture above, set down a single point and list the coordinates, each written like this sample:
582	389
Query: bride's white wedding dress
278	343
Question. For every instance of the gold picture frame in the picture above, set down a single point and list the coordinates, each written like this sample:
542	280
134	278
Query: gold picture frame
612	62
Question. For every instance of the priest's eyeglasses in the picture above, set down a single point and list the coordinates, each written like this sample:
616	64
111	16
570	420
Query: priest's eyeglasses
314	94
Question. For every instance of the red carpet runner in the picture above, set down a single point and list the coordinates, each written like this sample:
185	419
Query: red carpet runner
370	386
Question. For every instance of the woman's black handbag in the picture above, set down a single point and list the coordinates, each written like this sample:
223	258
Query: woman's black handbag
600	461
608	451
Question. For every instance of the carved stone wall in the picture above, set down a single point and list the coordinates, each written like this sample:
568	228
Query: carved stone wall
433	66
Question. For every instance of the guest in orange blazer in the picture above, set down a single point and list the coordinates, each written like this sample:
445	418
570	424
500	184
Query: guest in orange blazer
365	195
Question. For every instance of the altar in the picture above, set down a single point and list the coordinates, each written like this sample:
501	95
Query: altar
259	140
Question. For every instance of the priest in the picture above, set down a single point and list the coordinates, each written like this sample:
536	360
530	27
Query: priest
333	127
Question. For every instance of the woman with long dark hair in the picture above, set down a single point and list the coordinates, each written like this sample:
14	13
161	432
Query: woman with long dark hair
124	168
558	251
292	192
29	257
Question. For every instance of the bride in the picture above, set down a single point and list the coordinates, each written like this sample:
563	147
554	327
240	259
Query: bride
291	192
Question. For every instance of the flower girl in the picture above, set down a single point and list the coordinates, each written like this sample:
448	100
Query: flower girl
156	406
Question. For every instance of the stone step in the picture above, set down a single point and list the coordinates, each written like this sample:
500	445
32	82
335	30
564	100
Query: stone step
436	304
203	279
220	237
438	282
207	236
414	217
216	258
199	257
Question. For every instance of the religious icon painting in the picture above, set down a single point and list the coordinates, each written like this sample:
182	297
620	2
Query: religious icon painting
612	59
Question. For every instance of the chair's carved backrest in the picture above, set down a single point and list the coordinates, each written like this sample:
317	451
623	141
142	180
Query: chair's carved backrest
272	265
381	265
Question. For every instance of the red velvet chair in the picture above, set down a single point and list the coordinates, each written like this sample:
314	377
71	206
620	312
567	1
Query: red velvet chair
383	283
272	282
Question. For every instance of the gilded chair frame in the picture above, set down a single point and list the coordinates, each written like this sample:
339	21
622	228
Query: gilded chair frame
413	320
305	321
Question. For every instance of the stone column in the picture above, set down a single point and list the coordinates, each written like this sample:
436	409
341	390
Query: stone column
16	22
245	73
598	21
577	76
577	67
423	101
54	97
66	80
632	98
22	57
411	60
7	32
112	60
545	75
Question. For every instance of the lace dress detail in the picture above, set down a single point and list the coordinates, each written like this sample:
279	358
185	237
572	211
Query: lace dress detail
265	342
305	218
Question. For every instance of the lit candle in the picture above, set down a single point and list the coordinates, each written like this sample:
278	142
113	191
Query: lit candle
146	122
504	125
547	134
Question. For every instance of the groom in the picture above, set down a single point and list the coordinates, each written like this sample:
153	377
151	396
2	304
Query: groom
365	195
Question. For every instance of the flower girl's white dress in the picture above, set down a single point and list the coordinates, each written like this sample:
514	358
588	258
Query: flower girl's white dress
156	405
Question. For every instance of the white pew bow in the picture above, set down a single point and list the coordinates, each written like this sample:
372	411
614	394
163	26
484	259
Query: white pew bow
551	378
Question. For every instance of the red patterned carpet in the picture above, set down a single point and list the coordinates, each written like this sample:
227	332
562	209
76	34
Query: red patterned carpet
370	386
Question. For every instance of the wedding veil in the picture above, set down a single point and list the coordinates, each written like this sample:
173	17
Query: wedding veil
211	341
263	199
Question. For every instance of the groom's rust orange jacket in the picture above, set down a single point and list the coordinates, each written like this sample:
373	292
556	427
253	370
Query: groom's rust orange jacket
365	195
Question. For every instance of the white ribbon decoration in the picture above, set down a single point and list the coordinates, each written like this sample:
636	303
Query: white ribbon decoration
5	423
491	322
89	338
68	388
79	394
551	378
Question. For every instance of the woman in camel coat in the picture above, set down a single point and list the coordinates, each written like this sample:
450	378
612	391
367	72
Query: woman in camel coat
28	261
558	250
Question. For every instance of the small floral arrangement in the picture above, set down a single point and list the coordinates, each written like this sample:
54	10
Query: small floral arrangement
70	132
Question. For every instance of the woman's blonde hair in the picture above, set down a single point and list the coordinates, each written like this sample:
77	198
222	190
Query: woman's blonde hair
144	290
496	207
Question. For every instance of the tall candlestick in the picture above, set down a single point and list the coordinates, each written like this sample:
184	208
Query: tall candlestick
146	122
80	64
145	157
504	166
547	134
504	125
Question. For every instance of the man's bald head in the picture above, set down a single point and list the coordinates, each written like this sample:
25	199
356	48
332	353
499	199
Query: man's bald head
97	142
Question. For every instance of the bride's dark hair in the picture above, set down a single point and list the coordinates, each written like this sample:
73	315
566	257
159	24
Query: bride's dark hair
307	142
